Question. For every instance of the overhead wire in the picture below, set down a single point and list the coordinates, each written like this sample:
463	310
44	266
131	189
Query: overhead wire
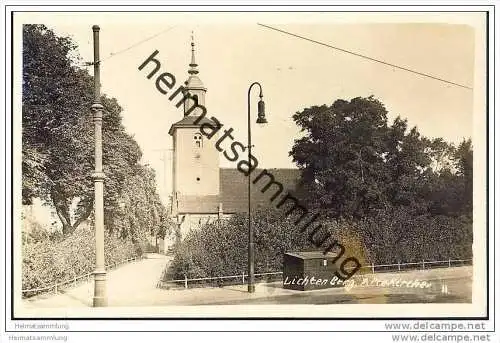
113	54
366	57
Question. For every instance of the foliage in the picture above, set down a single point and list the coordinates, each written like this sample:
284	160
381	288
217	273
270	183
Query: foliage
407	196
341	156
220	248
56	95
386	192
58	144
345	231
58	160
398	235
46	261
141	213
354	163
453	191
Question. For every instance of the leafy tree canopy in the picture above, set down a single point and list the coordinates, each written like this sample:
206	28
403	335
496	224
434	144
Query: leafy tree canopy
58	139
355	162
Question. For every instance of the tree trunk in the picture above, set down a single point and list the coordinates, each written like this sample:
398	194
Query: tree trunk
63	212
88	207
62	209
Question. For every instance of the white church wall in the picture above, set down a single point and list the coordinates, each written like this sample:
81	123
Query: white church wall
196	166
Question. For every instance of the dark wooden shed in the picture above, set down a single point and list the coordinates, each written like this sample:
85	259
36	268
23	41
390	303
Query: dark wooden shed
309	270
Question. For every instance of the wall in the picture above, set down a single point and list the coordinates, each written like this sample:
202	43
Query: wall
196	170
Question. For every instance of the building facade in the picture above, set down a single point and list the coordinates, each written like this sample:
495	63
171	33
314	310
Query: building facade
203	192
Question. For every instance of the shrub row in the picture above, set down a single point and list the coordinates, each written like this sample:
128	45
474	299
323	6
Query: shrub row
390	236
48	261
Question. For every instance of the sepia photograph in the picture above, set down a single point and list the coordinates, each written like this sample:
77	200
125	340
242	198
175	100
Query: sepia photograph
266	164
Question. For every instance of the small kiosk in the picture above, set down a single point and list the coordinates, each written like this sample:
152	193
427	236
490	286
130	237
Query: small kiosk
307	270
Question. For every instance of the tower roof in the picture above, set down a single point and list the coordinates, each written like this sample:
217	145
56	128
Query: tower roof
189	121
193	65
193	81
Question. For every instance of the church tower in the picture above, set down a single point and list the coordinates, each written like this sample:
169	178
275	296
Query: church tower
195	158
193	84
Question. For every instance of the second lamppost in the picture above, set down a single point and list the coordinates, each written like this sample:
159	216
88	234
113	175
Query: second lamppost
261	119
100	297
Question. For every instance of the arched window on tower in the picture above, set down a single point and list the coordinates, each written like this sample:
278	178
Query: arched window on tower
198	140
190	104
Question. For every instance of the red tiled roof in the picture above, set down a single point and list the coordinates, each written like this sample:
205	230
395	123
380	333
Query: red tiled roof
234	190
206	204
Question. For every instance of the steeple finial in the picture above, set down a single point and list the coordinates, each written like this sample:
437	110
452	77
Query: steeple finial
192	66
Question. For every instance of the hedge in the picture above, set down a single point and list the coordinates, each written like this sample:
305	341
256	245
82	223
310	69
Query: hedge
55	259
390	236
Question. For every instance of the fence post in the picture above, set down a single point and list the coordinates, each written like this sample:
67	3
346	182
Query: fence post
449	263
373	268
399	267
185	281
243	278
423	264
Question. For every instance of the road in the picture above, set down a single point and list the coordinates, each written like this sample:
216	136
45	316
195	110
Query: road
134	284
458	290
128	285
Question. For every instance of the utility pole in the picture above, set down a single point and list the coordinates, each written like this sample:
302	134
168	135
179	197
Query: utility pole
165	158
100	297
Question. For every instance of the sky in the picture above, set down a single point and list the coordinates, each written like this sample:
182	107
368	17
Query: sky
233	51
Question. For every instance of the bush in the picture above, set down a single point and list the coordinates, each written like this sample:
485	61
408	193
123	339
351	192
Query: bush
221	248
390	236
397	235
345	232
48	261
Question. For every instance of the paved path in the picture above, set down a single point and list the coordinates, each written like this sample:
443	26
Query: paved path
126	285
135	285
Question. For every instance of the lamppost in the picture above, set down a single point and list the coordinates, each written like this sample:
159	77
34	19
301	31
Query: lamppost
261	119
100	298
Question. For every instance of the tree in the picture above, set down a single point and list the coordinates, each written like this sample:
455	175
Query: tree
408	166
47	75
464	162
342	155
451	190
58	136
142	214
56	96
354	163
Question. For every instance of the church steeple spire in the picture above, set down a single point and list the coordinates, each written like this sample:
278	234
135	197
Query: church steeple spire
193	66
193	84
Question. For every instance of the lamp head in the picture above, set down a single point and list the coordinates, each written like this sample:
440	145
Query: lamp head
261	114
